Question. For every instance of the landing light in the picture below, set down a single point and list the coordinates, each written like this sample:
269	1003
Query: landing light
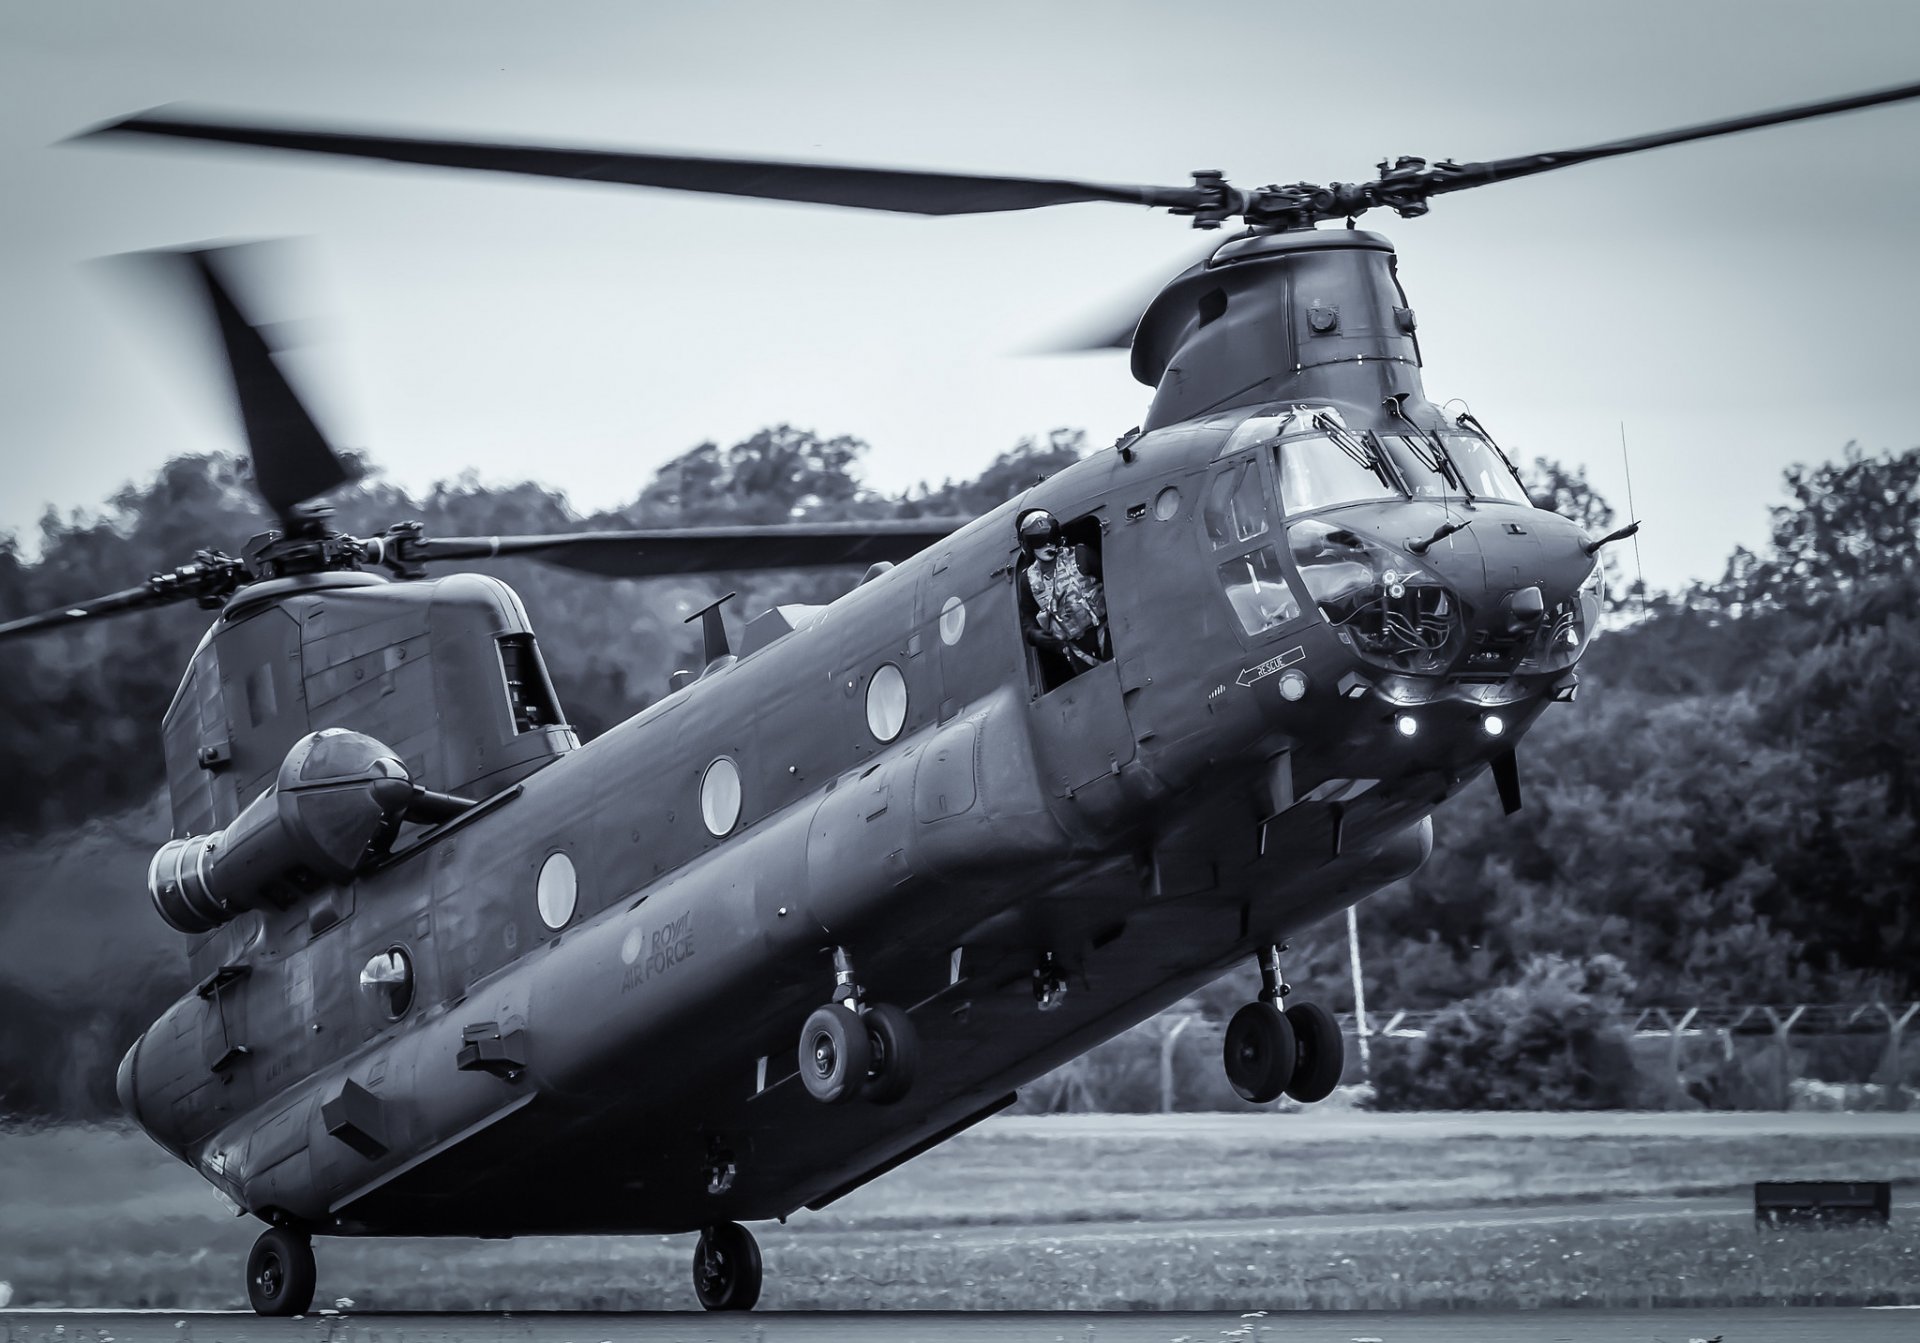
1406	724
1293	684
1494	724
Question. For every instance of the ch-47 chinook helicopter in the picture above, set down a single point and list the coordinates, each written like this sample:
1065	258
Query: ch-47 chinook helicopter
882	861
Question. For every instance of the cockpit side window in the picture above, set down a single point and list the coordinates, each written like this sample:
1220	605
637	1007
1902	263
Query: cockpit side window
1236	508
1237	515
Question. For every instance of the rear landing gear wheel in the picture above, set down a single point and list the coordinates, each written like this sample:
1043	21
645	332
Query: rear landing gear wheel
835	1054
1321	1056
280	1272
1259	1052
896	1053
726	1267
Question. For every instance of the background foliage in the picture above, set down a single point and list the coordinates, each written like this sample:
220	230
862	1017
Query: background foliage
1727	815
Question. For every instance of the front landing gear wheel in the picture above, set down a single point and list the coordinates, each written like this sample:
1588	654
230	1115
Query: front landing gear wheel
726	1266
896	1053
1322	1053
835	1054
1259	1052
280	1272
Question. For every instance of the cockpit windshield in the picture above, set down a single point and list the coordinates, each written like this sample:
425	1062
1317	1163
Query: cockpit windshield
1455	466
1330	466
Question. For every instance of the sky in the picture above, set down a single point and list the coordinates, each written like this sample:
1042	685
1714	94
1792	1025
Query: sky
1737	305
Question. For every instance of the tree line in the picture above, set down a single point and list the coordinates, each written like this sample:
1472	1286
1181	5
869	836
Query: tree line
1726	815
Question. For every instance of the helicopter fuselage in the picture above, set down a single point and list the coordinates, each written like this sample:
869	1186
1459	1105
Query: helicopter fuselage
619	1055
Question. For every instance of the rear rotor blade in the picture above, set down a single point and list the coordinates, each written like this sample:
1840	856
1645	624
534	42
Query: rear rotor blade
292	461
703	550
905	191
114	603
1456	177
210	577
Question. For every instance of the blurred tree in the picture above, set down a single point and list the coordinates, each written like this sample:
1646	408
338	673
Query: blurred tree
1551	1041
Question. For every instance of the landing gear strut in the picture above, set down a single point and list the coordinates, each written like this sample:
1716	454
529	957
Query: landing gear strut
851	1048
1269	1051
726	1268
280	1272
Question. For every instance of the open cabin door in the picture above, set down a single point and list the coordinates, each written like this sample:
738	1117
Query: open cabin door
1082	736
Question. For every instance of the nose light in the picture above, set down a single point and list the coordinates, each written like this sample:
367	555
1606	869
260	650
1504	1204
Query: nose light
1493	725
1405	724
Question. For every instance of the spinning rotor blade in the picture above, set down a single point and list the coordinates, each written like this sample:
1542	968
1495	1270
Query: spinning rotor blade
114	603
292	461
211	576
1459	176
905	191
1112	325
702	550
205	287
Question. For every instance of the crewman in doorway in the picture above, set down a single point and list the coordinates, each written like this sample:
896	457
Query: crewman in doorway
1063	606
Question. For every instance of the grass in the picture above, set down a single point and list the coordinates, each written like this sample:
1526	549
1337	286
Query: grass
95	1217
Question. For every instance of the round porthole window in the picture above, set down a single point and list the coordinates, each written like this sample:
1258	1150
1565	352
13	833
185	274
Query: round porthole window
387	978
1166	503
557	891
953	621
887	703
720	796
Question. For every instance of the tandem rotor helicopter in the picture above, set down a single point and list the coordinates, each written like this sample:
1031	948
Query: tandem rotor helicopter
879	862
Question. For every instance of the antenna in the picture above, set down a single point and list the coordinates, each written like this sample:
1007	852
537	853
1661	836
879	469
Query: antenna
1639	573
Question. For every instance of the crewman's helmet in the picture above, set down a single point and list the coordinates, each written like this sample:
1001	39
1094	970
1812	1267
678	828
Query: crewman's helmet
1038	528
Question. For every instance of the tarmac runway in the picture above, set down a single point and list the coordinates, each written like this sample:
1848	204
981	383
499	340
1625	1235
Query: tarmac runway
1745	1325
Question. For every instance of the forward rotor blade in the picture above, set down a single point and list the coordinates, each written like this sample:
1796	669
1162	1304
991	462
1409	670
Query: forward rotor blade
1458	177
905	191
292	461
114	603
703	550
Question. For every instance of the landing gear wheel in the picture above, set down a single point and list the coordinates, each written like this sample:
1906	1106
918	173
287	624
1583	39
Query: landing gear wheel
1260	1052
896	1053
280	1272
1322	1053
835	1054
726	1266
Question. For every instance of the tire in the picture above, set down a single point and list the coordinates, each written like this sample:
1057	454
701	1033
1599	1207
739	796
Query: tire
280	1273
1321	1056
1259	1053
726	1267
835	1054
896	1054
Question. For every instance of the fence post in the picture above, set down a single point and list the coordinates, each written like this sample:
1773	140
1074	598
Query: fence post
1676	1039
1893	1068
1166	1063
1782	1028
1359	995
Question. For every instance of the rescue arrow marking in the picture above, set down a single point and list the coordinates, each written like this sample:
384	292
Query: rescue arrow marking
1270	666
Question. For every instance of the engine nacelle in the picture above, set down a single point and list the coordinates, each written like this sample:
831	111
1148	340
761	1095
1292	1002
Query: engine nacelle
334	807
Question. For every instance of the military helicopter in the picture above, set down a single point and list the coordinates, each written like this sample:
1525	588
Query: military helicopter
871	868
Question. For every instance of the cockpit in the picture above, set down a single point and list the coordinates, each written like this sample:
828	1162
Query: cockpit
1402	605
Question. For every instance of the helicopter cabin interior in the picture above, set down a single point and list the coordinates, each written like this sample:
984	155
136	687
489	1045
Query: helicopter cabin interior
1047	668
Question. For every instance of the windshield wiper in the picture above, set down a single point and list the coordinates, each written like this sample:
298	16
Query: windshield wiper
1452	468
1363	452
